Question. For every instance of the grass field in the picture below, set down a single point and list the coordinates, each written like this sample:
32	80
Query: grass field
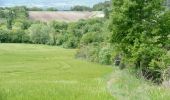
40	72
66	16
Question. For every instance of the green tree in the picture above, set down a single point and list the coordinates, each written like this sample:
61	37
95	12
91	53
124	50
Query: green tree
52	9
102	6
40	33
10	18
136	31
81	8
91	38
60	28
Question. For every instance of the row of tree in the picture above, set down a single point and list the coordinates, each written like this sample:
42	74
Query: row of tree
97	7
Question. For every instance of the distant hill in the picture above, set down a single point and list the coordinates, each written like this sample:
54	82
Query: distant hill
66	16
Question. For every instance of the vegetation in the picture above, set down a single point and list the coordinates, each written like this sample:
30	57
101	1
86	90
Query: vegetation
41	9
40	72
103	5
137	44
140	36
134	34
124	85
97	7
40	34
81	8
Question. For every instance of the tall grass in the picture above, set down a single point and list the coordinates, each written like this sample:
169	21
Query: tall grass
126	86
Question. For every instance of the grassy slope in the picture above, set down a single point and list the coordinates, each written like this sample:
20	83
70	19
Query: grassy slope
37	72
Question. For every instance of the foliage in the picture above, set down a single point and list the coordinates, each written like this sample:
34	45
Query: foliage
105	56
106	7
51	9
96	52
136	27
81	8
41	9
69	34
91	38
60	29
20	12
94	45
34	9
89	52
4	36
102	6
55	33
13	36
40	33
10	17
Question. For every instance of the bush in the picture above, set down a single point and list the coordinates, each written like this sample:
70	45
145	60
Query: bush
91	38
13	36
70	34
40	34
89	52
71	42
18	36
4	36
105	56
96	52
60	28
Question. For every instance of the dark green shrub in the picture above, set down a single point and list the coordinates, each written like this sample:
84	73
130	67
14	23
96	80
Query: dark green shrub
71	42
4	36
14	36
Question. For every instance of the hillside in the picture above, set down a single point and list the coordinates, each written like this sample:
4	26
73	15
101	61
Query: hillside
67	16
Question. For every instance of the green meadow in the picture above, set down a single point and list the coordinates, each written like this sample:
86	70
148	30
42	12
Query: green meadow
41	72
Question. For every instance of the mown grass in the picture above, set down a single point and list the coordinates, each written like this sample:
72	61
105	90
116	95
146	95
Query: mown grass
39	72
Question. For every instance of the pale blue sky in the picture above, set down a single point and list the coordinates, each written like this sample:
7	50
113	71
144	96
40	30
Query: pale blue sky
60	4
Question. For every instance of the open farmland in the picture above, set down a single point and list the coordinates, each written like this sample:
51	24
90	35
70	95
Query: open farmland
67	16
